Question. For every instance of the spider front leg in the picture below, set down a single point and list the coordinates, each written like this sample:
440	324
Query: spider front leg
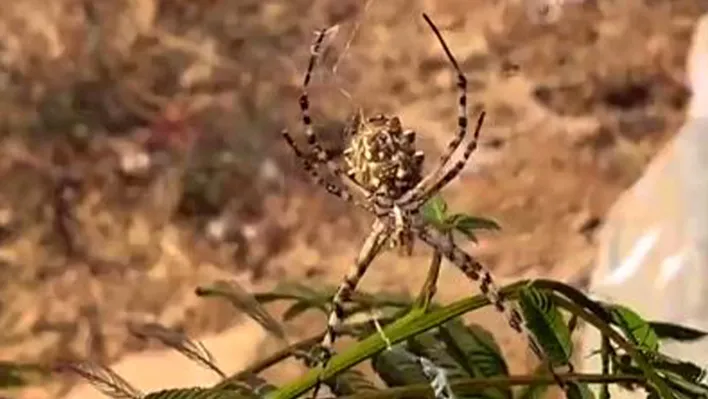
416	201
462	120
372	246
320	154
478	273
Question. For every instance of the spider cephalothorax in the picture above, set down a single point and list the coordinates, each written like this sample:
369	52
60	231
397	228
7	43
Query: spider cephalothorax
381	156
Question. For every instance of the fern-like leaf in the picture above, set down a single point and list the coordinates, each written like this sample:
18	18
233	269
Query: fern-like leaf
102	378
193	350
546	322
195	393
635	328
350	382
476	350
676	332
245	302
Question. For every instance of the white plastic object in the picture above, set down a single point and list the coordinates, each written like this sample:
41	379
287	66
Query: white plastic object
653	249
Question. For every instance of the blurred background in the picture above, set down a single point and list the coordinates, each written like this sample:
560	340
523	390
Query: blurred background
140	153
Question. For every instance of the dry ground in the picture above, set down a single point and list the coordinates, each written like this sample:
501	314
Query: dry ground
575	110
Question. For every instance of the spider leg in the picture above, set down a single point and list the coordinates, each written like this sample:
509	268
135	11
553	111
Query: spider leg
462	120
318	179
372	246
320	154
477	272
451	174
304	100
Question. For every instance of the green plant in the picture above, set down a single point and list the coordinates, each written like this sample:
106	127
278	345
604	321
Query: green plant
16	374
420	348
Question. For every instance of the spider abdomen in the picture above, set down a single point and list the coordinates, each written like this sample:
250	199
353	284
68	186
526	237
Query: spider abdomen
382	157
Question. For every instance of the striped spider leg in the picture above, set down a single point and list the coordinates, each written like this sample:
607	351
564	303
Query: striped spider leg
318	154
310	167
413	200
373	245
462	120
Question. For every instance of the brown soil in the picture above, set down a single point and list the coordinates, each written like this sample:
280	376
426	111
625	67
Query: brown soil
575	110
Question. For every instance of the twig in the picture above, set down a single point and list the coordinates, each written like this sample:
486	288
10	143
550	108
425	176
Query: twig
476	385
427	292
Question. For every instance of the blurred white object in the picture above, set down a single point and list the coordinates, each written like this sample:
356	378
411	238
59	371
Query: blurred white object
653	249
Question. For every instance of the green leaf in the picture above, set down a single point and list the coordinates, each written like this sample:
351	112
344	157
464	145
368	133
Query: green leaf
194	393
546	322
578	391
464	222
350	382
467	225
635	328
14	375
435	211
474	348
436	350
396	367
689	389
298	292
245	302
245	383
470	236
428	346
676	332
687	370
295	310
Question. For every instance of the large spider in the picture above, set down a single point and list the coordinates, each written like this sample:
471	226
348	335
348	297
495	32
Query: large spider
383	175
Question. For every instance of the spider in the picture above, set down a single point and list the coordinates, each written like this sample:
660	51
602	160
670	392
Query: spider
383	175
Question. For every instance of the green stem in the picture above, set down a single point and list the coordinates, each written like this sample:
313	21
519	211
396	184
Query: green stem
425	297
412	324
274	359
475	385
417	321
287	352
605	353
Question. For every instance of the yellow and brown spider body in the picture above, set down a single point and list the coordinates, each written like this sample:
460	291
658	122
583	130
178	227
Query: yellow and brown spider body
381	157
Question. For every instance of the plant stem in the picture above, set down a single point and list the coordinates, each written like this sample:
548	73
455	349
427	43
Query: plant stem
417	322
275	358
285	353
425	297
412	324
476	385
605	353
